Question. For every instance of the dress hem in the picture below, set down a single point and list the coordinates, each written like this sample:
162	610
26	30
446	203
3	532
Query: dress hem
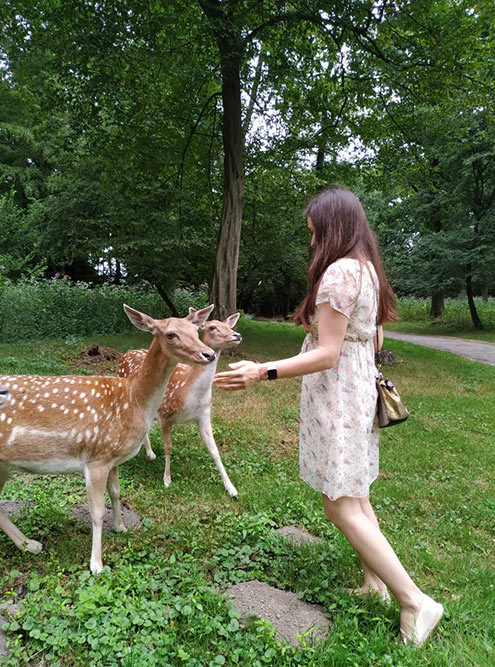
341	495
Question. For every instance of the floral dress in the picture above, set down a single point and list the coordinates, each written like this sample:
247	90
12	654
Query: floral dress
338	453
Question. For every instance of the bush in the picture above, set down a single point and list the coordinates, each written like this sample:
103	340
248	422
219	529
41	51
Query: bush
456	312
56	308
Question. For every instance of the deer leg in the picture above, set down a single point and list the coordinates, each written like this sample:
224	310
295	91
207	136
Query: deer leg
167	444
113	488
147	445
19	539
206	432
96	481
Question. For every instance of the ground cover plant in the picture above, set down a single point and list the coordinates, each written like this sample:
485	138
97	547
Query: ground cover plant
455	321
158	602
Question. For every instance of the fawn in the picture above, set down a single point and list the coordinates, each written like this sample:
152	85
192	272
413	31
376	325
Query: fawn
188	394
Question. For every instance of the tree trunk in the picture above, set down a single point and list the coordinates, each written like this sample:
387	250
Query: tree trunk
437	305
478	324
485	292
168	300
224	281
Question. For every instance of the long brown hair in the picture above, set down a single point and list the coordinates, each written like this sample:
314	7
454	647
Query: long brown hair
342	230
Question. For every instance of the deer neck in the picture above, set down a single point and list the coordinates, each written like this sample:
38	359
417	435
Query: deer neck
148	385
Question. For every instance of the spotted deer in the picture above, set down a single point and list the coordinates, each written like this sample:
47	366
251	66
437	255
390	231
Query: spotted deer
67	424
188	394
4	397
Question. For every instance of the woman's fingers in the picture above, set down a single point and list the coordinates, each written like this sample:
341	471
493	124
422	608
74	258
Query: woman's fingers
242	375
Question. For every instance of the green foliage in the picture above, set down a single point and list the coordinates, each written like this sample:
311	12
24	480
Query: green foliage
57	308
456	313
160	602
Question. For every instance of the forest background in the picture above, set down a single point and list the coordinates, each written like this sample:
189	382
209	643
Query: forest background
177	142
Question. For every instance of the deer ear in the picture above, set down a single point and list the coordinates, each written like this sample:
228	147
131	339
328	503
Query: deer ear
140	320
192	311
232	320
199	317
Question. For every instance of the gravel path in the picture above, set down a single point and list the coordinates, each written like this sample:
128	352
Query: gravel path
470	349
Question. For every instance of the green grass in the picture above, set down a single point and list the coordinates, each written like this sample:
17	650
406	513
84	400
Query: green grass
456	320
158	604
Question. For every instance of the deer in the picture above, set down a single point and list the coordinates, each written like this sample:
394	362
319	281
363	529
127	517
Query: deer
90	424
4	397
188	394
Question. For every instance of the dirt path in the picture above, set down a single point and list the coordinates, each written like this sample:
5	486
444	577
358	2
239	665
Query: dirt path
470	349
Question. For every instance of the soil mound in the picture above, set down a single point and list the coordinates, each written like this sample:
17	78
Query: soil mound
98	359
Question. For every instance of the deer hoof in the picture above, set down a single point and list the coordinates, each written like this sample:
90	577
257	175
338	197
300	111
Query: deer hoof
32	546
151	455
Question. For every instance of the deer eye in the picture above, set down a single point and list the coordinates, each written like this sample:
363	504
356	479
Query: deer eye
170	335
212	328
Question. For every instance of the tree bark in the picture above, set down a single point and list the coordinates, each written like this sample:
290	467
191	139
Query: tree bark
478	324
437	305
224	280
485	292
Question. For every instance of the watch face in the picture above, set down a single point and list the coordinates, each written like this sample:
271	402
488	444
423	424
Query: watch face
272	373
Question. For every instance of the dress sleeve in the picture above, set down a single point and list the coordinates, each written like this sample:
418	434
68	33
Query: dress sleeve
339	286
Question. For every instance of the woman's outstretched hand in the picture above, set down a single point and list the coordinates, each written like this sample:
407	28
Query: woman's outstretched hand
243	375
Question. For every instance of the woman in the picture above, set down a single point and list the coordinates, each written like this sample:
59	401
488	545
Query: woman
348	294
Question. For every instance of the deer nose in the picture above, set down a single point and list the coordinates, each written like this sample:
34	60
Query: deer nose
238	337
209	356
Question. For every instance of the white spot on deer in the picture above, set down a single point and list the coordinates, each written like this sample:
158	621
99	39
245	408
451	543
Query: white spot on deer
9	420
55	391
54	405
41	408
81	415
79	437
2	416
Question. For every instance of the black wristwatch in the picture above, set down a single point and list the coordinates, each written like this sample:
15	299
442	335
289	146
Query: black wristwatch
272	372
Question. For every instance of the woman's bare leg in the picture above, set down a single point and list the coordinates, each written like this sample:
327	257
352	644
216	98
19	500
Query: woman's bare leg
377	555
372	582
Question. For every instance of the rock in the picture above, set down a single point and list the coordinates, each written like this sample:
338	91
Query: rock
131	518
7	611
290	616
297	535
13	507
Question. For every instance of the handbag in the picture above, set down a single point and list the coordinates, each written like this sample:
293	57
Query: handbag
390	409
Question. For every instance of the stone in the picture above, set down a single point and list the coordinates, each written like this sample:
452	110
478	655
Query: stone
291	617
297	535
131	519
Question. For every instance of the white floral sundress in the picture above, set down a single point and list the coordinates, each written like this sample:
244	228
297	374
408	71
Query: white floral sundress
338	450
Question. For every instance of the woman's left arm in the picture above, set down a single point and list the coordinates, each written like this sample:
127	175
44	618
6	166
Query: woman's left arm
332	326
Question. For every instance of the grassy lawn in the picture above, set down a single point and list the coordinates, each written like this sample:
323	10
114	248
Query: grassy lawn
158	604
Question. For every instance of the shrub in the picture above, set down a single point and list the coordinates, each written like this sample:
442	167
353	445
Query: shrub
456	312
56	308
